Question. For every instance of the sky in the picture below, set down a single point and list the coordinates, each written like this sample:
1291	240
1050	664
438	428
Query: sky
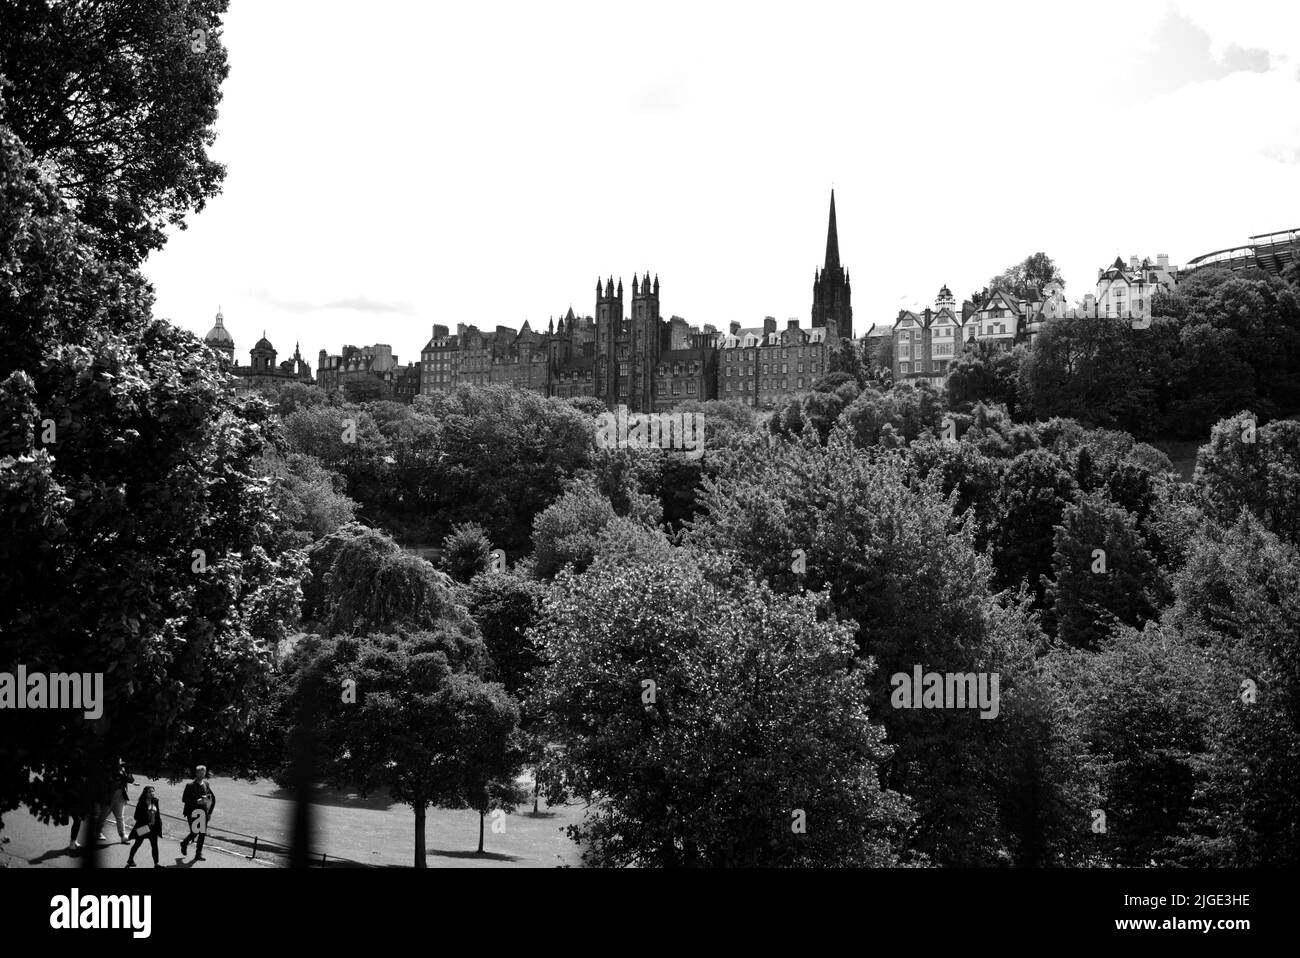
392	165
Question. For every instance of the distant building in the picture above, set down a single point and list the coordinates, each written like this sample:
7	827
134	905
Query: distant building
375	364
262	373
1126	291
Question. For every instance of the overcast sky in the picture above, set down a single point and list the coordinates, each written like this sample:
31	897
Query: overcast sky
397	164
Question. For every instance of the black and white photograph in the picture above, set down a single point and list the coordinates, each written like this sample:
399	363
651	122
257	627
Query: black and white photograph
907	524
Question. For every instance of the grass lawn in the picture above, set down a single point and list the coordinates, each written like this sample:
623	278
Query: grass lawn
353	831
379	832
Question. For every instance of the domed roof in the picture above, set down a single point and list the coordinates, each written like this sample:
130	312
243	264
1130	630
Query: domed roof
219	333
263	343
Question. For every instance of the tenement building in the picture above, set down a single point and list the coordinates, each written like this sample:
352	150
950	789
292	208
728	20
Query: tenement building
374	369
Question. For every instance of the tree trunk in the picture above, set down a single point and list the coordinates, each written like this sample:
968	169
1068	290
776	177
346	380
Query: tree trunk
481	816
420	861
536	788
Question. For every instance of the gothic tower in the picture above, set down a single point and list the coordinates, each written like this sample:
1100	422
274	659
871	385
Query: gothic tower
645	343
609	326
831	291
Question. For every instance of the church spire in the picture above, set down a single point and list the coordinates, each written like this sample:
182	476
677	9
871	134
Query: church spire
832	240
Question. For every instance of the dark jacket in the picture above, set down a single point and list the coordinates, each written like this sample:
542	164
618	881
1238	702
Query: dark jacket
199	795
142	817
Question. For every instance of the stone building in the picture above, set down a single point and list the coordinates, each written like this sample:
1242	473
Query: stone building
262	373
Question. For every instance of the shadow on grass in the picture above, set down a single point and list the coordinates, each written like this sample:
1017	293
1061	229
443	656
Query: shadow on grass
335	797
482	856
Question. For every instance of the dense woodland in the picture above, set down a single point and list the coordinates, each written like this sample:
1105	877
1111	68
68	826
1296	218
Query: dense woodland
699	648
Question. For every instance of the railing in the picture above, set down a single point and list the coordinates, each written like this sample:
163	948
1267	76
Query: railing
265	845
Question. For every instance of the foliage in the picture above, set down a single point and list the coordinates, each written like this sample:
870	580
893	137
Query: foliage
113	100
757	714
465	551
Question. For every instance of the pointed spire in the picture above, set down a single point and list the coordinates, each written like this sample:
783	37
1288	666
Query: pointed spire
620	287
634	286
656	284
832	240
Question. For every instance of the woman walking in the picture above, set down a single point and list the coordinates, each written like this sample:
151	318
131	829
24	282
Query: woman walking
148	824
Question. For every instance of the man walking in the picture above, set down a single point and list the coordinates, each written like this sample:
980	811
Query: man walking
199	803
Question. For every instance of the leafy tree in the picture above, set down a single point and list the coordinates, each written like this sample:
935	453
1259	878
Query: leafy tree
466	551
423	727
363	390
504	606
985	372
141	542
891	418
1238	601
566	532
372	585
1030	275
1141	705
894	559
309	495
754	729
1102	574
1035	491
1253	468
115	102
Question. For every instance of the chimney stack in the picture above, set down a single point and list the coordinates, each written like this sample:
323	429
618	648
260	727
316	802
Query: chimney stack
735	328
1162	260
769	325
792	324
1133	262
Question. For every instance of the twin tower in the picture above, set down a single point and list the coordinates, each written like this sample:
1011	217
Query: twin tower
628	349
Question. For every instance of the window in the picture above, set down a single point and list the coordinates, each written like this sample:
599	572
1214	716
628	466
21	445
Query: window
785	367
623	369
801	382
730	370
902	368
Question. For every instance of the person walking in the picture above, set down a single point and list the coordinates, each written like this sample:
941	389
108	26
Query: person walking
148	824
115	802
200	802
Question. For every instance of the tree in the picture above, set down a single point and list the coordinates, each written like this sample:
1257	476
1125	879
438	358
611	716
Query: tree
894	559
141	542
504	606
308	494
372	586
1237	601
1253	468
1102	575
363	390
419	723
985	372
711	725
566	532
466	551
1029	276
117	100
1035	491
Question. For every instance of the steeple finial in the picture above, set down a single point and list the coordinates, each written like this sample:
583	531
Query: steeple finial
832	240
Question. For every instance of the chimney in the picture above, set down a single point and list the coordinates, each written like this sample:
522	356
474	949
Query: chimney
769	324
1133	262
735	328
792	324
1162	260
460	329
439	332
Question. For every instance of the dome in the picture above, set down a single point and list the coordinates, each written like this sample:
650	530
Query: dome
264	343
219	334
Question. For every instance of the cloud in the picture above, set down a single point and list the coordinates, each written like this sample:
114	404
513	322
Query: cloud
360	304
1181	54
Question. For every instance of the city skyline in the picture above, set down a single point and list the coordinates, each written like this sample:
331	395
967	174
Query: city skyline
669	163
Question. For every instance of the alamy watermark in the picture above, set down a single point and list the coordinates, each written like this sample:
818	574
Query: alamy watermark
54	690
663	430
951	690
